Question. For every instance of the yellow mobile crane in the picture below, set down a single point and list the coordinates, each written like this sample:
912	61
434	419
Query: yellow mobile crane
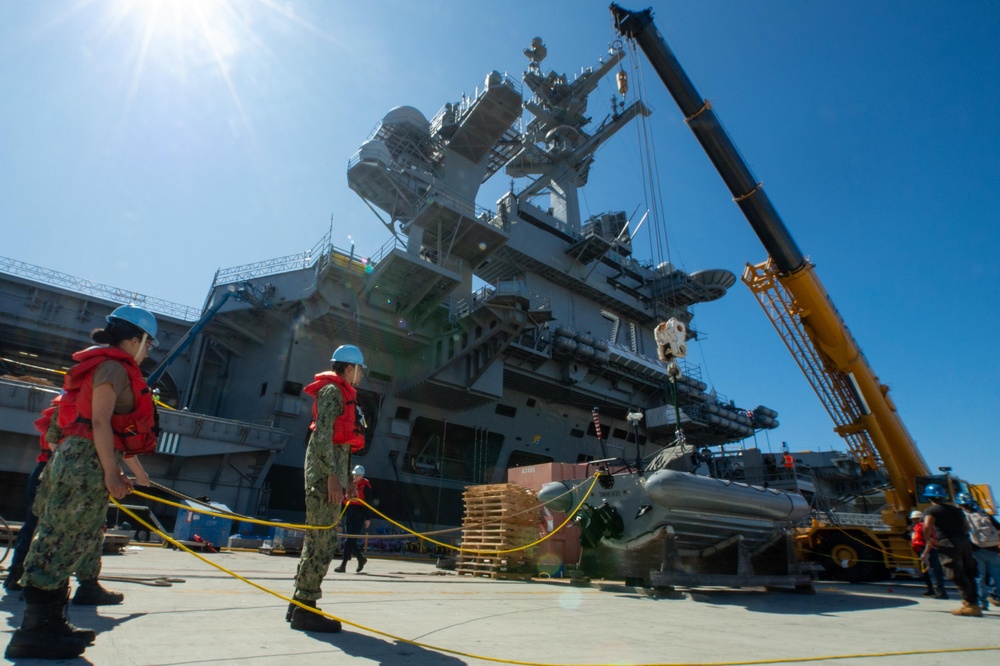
790	292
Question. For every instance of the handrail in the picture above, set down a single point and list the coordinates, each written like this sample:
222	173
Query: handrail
114	294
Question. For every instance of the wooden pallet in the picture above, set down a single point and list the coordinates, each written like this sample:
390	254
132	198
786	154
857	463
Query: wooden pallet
498	517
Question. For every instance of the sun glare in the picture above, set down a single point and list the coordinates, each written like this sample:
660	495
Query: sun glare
181	38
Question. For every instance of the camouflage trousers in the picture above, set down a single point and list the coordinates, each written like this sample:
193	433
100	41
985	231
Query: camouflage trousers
319	546
89	567
71	505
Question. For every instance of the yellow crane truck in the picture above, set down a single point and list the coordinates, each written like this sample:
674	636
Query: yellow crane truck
852	547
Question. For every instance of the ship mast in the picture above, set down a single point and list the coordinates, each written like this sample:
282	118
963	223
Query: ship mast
557	151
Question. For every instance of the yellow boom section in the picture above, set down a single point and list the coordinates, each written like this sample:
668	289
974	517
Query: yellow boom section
831	360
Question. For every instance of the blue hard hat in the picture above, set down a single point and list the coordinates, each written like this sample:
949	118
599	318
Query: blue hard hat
964	499
934	490
348	354
359	470
139	317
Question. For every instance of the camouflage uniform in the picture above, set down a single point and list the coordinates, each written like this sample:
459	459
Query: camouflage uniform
71	504
323	459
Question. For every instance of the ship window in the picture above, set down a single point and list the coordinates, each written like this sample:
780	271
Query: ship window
583	457
292	388
523	458
576	432
263	389
379	376
592	431
505	410
402	412
619	434
530	402
631	438
451	451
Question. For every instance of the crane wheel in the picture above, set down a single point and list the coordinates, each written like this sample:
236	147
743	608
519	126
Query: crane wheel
855	560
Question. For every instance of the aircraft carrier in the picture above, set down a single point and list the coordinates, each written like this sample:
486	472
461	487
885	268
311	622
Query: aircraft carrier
496	336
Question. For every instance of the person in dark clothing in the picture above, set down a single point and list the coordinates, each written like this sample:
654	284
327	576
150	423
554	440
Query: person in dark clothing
356	520
984	533
946	525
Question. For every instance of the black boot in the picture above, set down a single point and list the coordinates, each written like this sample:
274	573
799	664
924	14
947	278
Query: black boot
941	594
342	568
45	632
13	575
90	593
362	561
304	620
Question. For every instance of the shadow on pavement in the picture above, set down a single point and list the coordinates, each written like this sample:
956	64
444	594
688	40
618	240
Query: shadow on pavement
384	651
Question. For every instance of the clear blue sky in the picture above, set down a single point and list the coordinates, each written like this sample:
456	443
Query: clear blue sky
146	144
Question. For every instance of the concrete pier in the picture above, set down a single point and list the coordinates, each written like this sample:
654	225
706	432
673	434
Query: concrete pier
403	611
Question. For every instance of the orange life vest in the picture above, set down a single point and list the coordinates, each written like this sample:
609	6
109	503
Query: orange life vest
363	487
42	426
347	428
134	432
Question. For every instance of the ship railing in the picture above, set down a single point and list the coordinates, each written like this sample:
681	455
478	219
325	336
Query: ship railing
500	288
393	243
453	111
114	294
321	255
462	205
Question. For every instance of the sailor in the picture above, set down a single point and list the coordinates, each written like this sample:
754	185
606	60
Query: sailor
106	413
356	520
337	430
88	570
946	525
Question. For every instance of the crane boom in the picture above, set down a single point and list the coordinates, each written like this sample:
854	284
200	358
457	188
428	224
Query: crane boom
792	295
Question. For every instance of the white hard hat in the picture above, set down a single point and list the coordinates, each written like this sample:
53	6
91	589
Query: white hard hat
359	470
916	514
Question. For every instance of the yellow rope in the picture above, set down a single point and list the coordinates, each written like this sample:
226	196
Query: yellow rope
236	516
875	546
424	537
443	650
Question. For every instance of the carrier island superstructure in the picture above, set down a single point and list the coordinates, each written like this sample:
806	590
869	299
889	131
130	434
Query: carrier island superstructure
494	337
